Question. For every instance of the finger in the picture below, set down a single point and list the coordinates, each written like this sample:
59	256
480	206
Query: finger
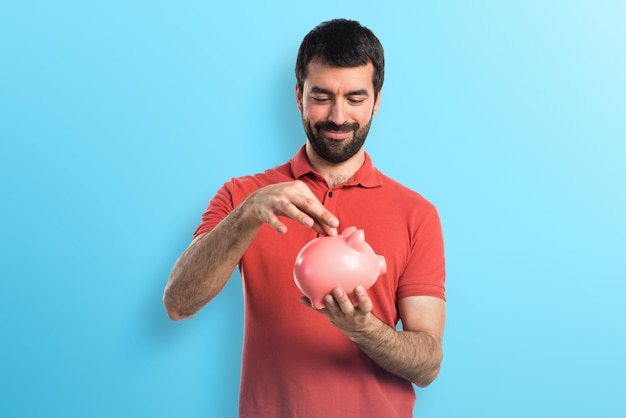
324	222
313	210
266	207
343	301
269	210
325	229
291	210
363	301
296	201
276	224
332	308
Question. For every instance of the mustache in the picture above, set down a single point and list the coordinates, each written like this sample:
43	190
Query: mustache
330	126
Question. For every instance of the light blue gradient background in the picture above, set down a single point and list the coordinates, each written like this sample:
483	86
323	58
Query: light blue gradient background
119	120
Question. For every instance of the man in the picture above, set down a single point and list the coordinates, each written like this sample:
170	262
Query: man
347	359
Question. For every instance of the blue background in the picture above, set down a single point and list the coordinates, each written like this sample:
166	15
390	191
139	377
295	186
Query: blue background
120	119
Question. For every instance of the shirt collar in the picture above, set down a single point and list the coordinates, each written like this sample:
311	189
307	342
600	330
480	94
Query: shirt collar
367	176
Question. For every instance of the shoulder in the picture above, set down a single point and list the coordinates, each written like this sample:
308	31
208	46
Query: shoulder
270	176
242	186
403	195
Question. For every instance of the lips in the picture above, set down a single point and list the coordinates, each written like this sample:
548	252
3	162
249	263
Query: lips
336	134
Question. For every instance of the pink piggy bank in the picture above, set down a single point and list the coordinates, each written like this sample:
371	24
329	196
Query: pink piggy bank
344	260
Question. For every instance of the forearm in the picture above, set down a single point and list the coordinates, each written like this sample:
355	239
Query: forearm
413	355
204	268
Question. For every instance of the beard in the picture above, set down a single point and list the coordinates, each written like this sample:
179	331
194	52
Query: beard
332	150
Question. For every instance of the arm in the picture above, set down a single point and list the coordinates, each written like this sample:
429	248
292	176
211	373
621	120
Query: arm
415	353
203	269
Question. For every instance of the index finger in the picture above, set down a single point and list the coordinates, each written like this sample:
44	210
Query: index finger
317	216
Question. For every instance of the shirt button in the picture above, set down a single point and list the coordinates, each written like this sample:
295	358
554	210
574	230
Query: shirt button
330	194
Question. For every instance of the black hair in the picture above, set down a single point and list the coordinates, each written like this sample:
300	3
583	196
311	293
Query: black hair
341	43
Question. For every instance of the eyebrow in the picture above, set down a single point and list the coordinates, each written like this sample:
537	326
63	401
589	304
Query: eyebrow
320	90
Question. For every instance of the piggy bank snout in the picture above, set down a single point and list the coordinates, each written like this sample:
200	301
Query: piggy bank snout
344	261
382	264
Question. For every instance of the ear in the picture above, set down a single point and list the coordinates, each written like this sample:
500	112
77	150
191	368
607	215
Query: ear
377	103
356	240
299	98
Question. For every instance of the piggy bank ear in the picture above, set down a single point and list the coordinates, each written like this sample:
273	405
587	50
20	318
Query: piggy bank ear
348	231
356	240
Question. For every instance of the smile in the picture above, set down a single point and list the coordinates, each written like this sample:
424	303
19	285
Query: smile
336	134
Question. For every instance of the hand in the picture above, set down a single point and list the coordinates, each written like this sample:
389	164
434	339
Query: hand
352	318
293	200
414	353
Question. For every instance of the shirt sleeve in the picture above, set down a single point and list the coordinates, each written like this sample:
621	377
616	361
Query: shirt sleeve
219	207
425	273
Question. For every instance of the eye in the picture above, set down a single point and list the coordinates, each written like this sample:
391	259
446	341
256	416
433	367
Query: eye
320	99
356	100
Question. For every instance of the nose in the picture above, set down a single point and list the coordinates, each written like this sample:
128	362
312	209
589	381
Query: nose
337	113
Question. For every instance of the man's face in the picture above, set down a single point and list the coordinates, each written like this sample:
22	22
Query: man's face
337	105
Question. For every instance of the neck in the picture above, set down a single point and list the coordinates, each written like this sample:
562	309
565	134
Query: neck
335	173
